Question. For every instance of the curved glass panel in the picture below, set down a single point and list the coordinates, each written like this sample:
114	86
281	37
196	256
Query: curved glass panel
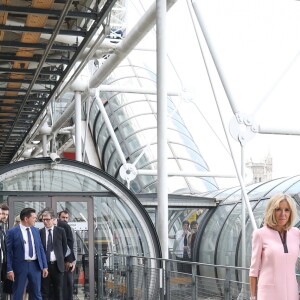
264	188
228	238
283	186
94	110
133	116
118	101
175	224
295	188
259	215
51	181
98	125
209	238
133	109
119	227
182	150
137	124
64	178
121	224
215	193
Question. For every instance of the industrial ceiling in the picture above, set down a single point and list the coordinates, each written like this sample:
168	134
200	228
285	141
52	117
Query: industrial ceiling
40	42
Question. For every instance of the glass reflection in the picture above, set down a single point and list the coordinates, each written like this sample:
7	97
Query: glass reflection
48	180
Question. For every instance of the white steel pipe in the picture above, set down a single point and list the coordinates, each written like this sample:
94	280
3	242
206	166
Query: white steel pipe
78	153
110	128
44	142
186	174
243	218
162	118
134	90
277	130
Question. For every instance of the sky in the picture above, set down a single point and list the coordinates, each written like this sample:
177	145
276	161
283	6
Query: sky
256	45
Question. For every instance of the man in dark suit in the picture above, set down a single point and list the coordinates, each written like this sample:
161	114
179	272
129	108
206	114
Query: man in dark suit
69	274
69	260
55	244
2	248
2	256
26	259
4	217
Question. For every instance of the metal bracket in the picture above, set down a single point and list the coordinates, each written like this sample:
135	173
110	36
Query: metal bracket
128	172
242	128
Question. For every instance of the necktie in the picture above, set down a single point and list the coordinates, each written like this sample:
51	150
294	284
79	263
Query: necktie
29	243
49	245
185	241
2	252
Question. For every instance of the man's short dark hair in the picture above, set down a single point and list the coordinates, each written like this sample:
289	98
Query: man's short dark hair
39	215
194	223
26	212
4	207
185	222
48	213
63	212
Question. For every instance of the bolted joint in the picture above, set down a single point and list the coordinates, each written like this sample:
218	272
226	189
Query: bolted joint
128	172
242	127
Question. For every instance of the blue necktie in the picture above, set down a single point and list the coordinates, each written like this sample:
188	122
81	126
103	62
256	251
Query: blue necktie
29	243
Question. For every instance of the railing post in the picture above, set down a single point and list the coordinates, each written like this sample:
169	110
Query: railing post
194	282
116	275
100	277
227	292
129	278
146	289
167	264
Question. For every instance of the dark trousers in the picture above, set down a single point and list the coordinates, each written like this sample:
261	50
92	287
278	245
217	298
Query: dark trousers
53	283
68	285
182	267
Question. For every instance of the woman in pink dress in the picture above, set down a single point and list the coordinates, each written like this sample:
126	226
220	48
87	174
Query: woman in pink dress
275	249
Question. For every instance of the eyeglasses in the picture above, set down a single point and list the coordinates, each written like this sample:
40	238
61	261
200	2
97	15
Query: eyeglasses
46	220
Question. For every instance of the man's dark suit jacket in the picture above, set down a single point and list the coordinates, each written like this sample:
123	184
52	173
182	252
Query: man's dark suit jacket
59	245
71	257
2	254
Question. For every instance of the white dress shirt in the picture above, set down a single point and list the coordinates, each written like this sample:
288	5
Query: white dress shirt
52	254
26	245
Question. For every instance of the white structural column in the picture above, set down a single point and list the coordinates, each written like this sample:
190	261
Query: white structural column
243	220
44	143
162	170
78	126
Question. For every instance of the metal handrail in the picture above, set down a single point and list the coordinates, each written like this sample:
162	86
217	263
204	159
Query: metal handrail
139	277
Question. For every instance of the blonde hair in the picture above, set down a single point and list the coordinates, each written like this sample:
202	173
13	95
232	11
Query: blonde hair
273	204
17	220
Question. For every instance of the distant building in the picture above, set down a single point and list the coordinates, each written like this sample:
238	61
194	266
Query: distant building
259	171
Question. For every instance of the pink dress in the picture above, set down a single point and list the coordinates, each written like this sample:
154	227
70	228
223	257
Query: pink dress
276	270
